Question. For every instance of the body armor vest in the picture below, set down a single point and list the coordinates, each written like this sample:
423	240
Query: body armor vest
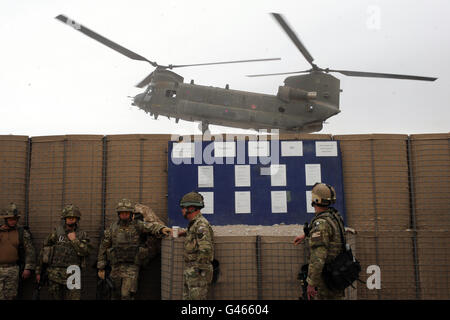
126	244
64	254
332	218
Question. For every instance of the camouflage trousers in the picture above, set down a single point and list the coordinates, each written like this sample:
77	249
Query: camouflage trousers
57	285
125	279
58	291
9	282
196	282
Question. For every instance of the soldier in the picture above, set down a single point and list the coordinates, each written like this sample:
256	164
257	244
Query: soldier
17	254
324	239
66	246
122	247
198	249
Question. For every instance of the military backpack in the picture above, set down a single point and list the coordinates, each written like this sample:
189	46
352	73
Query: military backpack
344	269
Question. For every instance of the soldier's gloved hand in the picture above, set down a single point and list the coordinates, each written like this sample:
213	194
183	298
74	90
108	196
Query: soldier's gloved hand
72	236
311	292
299	239
101	274
166	231
26	274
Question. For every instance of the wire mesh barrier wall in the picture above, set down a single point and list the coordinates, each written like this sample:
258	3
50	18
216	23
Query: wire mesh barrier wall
397	196
251	268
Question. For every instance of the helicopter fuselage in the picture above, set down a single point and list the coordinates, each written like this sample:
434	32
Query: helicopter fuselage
301	105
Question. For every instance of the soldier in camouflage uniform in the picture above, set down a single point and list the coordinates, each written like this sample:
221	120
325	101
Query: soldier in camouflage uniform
324	241
16	248
67	245
122	248
198	249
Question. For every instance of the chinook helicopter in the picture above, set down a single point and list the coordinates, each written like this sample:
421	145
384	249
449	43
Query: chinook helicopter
302	104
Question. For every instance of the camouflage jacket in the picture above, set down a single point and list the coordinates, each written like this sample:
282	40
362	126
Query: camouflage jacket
59	252
27	257
121	242
199	245
324	243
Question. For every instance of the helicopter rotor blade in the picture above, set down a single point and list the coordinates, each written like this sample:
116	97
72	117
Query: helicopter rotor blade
92	34
145	81
222	62
381	75
294	38
275	74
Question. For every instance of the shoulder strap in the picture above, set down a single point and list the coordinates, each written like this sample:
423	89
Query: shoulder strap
20	230
330	214
60	230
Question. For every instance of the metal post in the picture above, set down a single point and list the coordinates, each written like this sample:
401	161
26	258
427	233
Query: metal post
63	195
413	222
141	169
374	188
258	268
104	172
27	183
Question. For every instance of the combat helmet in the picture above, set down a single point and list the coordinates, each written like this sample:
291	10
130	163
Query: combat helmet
193	199
10	211
323	195
125	205
71	211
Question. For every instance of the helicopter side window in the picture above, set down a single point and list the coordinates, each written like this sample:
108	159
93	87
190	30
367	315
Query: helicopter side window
171	94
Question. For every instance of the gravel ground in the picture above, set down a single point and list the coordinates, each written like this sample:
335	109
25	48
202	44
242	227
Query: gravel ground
250	230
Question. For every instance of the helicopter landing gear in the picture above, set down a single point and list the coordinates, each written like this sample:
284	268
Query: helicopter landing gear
203	126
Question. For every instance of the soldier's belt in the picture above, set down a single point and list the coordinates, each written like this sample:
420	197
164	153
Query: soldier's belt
6	265
196	264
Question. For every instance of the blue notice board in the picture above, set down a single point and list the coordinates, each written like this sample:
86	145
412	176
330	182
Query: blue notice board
253	182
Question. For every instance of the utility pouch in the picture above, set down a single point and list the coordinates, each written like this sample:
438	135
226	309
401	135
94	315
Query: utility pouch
342	271
142	256
216	270
47	253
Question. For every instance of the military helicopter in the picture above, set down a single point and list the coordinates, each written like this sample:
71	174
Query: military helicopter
302	104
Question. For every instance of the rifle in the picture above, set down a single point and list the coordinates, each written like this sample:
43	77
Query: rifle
302	276
105	287
38	286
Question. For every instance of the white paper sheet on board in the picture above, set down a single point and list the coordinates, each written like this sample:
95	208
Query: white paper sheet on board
326	149
205	176
225	149
279	201
258	148
242	175
183	150
312	174
291	148
278	175
208	200
309	207
242	202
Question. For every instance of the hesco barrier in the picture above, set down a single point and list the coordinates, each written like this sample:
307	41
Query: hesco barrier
251	268
397	196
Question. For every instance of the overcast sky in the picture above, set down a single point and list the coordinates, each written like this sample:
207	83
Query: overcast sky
54	80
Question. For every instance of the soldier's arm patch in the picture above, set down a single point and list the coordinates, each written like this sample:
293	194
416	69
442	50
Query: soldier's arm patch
201	232
315	234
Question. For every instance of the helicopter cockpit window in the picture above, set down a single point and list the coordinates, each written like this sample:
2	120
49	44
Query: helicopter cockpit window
171	94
